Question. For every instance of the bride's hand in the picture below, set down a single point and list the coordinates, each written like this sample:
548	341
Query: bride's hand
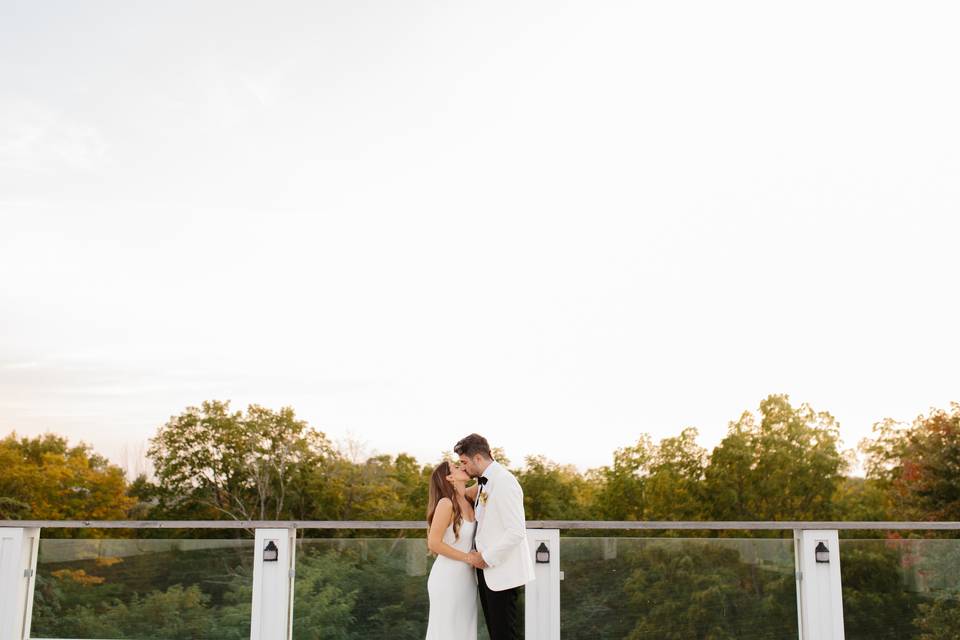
459	487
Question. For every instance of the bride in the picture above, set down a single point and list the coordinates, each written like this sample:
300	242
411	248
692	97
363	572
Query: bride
452	584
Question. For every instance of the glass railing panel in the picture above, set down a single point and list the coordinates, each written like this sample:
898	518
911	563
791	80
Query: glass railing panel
673	588
140	589
363	588
902	589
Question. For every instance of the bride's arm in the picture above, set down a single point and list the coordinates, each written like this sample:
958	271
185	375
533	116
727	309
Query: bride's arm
441	520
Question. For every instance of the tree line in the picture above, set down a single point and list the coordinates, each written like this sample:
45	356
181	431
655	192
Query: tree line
780	462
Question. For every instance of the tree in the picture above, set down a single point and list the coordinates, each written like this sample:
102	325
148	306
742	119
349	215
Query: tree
875	602
622	486
674	487
692	591
786	467
45	478
245	466
918	465
860	500
653	482
939	620
552	491
357	484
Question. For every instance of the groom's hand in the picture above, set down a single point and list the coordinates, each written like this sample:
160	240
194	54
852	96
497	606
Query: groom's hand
476	560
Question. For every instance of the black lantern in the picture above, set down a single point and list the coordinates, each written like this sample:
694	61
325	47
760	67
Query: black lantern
822	553
543	554
271	552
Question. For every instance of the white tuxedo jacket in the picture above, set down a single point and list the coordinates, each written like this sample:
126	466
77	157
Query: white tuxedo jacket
502	531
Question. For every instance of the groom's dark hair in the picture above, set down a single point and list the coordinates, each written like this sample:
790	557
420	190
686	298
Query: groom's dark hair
472	445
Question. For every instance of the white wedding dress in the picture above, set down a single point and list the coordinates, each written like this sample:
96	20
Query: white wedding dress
452	587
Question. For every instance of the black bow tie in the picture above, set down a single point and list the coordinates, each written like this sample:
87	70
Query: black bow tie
482	479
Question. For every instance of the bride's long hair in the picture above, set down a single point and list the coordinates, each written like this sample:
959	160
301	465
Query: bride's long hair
440	487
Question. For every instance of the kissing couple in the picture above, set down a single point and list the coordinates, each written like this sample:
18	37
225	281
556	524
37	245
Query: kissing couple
479	535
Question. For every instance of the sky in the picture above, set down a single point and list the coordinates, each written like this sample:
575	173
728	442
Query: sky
559	224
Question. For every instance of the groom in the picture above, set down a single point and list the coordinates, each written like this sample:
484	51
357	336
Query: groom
500	554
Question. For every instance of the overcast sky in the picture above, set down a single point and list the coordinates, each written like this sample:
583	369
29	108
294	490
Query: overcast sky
561	224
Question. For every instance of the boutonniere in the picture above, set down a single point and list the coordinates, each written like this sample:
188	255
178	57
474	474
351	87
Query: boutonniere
484	497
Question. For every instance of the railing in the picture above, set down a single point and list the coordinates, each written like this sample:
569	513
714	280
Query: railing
607	525
282	584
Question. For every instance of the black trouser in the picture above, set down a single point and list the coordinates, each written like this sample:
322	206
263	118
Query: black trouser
499	610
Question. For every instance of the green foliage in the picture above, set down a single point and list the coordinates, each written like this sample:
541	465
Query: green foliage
43	478
212	462
918	466
378	488
653	482
622	485
323	598
155	588
701	591
552	491
247	466
172	614
939	620
783	463
13	509
875	603
860	499
674	487
677	589
787	466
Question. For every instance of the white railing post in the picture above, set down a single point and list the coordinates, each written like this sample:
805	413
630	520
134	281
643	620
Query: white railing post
819	594
18	566
271	614
542	596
